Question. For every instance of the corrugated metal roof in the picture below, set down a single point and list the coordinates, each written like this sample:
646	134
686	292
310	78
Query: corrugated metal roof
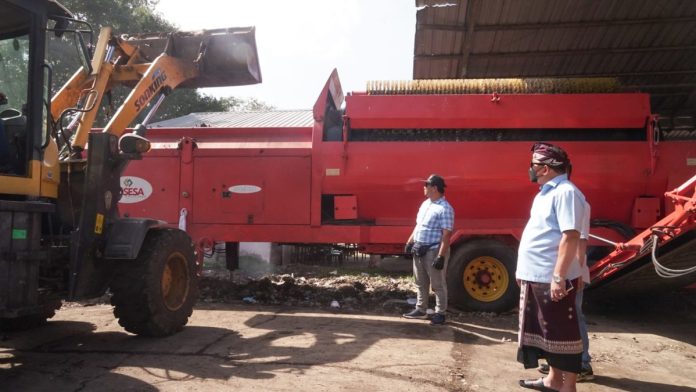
650	45
261	119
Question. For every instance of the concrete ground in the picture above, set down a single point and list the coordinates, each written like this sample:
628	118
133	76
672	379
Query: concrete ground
230	347
248	348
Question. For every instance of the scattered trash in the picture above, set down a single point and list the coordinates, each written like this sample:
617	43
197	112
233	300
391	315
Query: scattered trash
411	301
335	304
311	287
505	340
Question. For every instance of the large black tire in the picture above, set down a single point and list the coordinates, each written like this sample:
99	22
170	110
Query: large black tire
481	276
154	294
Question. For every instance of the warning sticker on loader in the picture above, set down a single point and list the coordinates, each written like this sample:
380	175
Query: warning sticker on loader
134	189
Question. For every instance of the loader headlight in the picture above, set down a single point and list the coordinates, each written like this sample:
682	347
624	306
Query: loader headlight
131	144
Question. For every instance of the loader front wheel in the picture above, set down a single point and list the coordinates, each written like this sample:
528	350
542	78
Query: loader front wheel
481	276
154	295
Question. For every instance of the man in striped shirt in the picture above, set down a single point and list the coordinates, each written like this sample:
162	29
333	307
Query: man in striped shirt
429	244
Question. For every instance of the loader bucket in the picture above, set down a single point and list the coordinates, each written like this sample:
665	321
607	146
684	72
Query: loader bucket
224	57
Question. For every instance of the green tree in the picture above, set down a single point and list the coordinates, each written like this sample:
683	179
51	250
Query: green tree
14	56
133	17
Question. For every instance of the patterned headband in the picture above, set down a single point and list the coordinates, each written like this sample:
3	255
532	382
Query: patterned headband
548	154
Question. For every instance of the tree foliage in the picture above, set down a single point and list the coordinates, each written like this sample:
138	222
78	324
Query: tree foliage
133	17
14	73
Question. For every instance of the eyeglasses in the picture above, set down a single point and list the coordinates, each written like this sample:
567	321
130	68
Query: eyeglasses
532	164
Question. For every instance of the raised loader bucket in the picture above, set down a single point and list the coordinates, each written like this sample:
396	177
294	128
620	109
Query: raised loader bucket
224	57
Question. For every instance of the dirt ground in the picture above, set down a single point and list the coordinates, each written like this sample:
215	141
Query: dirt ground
301	343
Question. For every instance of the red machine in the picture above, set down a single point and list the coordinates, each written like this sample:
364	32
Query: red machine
356	175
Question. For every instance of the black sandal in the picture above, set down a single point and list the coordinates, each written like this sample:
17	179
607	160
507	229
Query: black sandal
537	385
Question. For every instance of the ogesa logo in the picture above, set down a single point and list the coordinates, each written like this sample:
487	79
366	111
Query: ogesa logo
134	189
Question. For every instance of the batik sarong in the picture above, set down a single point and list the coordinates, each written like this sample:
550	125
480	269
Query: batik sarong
548	329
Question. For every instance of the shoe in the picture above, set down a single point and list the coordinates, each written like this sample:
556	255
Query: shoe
586	374
416	314
438	319
537	385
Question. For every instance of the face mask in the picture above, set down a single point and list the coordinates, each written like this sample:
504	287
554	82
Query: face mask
532	175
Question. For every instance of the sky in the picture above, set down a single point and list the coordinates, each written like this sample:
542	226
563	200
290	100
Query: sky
300	42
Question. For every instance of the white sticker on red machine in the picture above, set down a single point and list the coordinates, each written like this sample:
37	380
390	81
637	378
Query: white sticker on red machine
134	189
244	189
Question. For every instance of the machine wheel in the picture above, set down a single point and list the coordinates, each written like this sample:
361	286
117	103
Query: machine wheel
481	276
154	294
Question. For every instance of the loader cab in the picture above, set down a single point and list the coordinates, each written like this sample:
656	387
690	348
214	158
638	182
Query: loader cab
15	65
25	85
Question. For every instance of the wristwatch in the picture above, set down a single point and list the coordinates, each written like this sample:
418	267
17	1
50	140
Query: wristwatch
557	278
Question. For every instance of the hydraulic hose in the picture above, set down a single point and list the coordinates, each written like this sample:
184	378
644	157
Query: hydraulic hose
663	271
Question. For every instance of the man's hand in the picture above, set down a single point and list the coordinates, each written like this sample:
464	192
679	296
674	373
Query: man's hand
557	291
408	248
439	262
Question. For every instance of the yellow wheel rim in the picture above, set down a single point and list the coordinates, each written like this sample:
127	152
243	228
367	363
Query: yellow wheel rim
486	279
175	281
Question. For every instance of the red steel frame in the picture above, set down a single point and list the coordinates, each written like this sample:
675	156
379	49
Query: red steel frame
680	221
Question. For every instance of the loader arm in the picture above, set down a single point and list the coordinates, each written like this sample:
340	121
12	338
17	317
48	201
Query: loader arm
163	74
150	65
69	93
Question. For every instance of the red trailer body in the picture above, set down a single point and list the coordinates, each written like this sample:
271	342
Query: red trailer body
357	175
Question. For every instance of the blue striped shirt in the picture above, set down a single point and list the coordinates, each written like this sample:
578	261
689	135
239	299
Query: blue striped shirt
433	217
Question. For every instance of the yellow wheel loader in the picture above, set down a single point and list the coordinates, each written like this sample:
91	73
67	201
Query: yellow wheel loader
61	235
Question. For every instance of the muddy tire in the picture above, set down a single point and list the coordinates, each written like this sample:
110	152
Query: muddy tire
154	294
481	276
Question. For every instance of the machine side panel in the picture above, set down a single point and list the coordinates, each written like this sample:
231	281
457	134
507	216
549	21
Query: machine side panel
251	190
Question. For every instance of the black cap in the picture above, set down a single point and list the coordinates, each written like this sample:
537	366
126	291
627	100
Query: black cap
435	180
